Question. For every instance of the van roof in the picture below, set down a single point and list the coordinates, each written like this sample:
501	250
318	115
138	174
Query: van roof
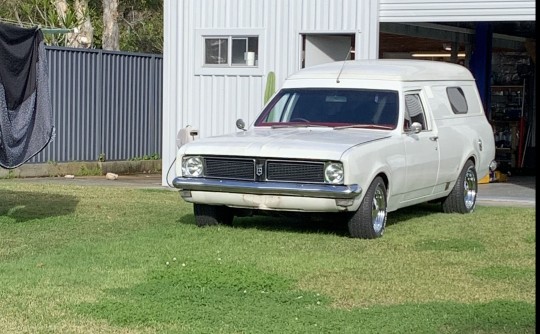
386	69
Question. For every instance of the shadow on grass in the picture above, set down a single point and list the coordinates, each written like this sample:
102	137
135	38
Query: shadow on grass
23	206
413	212
324	223
281	224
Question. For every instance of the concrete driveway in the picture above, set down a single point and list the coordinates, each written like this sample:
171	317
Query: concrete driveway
518	190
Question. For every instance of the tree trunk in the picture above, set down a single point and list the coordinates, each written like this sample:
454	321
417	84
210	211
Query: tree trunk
85	35
110	40
61	8
82	36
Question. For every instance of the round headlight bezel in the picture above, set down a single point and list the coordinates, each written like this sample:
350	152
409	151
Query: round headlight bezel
334	173
192	166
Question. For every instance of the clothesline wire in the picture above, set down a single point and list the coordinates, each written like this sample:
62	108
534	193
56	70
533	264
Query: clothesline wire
45	29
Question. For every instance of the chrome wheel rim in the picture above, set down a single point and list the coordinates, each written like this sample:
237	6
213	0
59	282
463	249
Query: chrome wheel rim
378	209
470	186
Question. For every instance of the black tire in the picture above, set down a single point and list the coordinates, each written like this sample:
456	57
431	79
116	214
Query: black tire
209	215
369	221
462	198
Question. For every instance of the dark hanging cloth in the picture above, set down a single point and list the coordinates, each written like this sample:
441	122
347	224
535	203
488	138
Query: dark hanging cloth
26	125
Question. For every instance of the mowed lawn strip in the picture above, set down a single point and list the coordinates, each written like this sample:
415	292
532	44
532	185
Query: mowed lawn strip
92	259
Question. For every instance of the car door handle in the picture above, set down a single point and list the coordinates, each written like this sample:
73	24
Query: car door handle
434	138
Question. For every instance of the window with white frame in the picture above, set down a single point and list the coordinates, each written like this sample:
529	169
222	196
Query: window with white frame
230	51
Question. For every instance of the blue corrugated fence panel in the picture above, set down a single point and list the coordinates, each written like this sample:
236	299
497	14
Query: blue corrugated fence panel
103	102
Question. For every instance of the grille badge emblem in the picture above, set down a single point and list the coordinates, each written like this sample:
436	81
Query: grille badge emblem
259	169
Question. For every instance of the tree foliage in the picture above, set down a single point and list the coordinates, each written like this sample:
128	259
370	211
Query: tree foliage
43	13
142	26
140	22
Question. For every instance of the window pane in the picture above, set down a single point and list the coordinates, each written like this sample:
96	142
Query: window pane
231	51
334	107
253	46
239	49
216	51
414	110
457	100
279	108
245	51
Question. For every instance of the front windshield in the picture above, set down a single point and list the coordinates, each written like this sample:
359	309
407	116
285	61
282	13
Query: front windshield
332	107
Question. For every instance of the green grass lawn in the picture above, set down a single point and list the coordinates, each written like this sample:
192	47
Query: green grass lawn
94	259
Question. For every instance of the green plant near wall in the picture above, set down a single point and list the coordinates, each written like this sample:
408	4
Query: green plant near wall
270	86
10	175
89	171
154	156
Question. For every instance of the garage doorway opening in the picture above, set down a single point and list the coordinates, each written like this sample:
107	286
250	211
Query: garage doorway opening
326	48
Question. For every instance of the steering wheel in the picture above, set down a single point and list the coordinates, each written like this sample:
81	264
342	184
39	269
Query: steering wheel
299	119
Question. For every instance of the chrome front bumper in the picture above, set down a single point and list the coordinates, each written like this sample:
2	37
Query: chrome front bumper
269	188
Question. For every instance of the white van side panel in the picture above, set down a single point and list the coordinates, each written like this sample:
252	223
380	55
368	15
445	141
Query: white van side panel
460	135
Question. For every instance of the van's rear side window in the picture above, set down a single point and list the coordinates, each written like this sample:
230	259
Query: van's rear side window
457	100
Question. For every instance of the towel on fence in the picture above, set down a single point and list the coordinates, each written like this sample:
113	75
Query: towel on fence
26	125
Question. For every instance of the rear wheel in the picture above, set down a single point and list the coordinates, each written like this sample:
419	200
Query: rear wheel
369	221
208	215
462	199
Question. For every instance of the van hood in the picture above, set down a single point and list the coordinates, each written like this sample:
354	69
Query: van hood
294	143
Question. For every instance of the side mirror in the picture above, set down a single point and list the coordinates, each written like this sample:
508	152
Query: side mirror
240	124
416	127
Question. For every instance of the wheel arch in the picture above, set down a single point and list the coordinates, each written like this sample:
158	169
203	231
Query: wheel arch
385	179
472	158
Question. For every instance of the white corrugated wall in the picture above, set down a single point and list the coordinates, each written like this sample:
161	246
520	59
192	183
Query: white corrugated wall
456	10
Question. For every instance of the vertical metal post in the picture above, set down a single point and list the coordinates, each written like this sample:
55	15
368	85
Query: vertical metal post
480	62
99	104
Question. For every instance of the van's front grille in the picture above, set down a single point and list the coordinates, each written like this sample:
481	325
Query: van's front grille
257	169
228	168
295	171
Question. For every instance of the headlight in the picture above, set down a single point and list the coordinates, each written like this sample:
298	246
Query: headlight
333	173
192	166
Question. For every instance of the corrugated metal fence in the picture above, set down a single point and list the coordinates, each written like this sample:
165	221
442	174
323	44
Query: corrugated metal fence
104	102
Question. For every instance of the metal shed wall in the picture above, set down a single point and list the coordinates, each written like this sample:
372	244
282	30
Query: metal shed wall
103	102
456	10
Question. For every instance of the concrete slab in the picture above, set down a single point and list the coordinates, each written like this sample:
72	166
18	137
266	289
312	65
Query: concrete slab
130	181
518	190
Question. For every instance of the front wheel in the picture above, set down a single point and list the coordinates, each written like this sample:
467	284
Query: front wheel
369	221
462	199
208	215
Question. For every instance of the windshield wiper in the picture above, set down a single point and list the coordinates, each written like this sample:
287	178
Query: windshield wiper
299	125
365	126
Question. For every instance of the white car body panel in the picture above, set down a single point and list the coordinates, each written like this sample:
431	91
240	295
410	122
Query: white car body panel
299	143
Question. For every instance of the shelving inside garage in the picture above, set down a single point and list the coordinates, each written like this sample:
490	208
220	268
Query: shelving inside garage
509	108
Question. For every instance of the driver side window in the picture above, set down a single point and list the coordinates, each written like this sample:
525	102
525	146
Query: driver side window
414	111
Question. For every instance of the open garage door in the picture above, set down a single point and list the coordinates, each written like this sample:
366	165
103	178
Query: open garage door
503	62
325	48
